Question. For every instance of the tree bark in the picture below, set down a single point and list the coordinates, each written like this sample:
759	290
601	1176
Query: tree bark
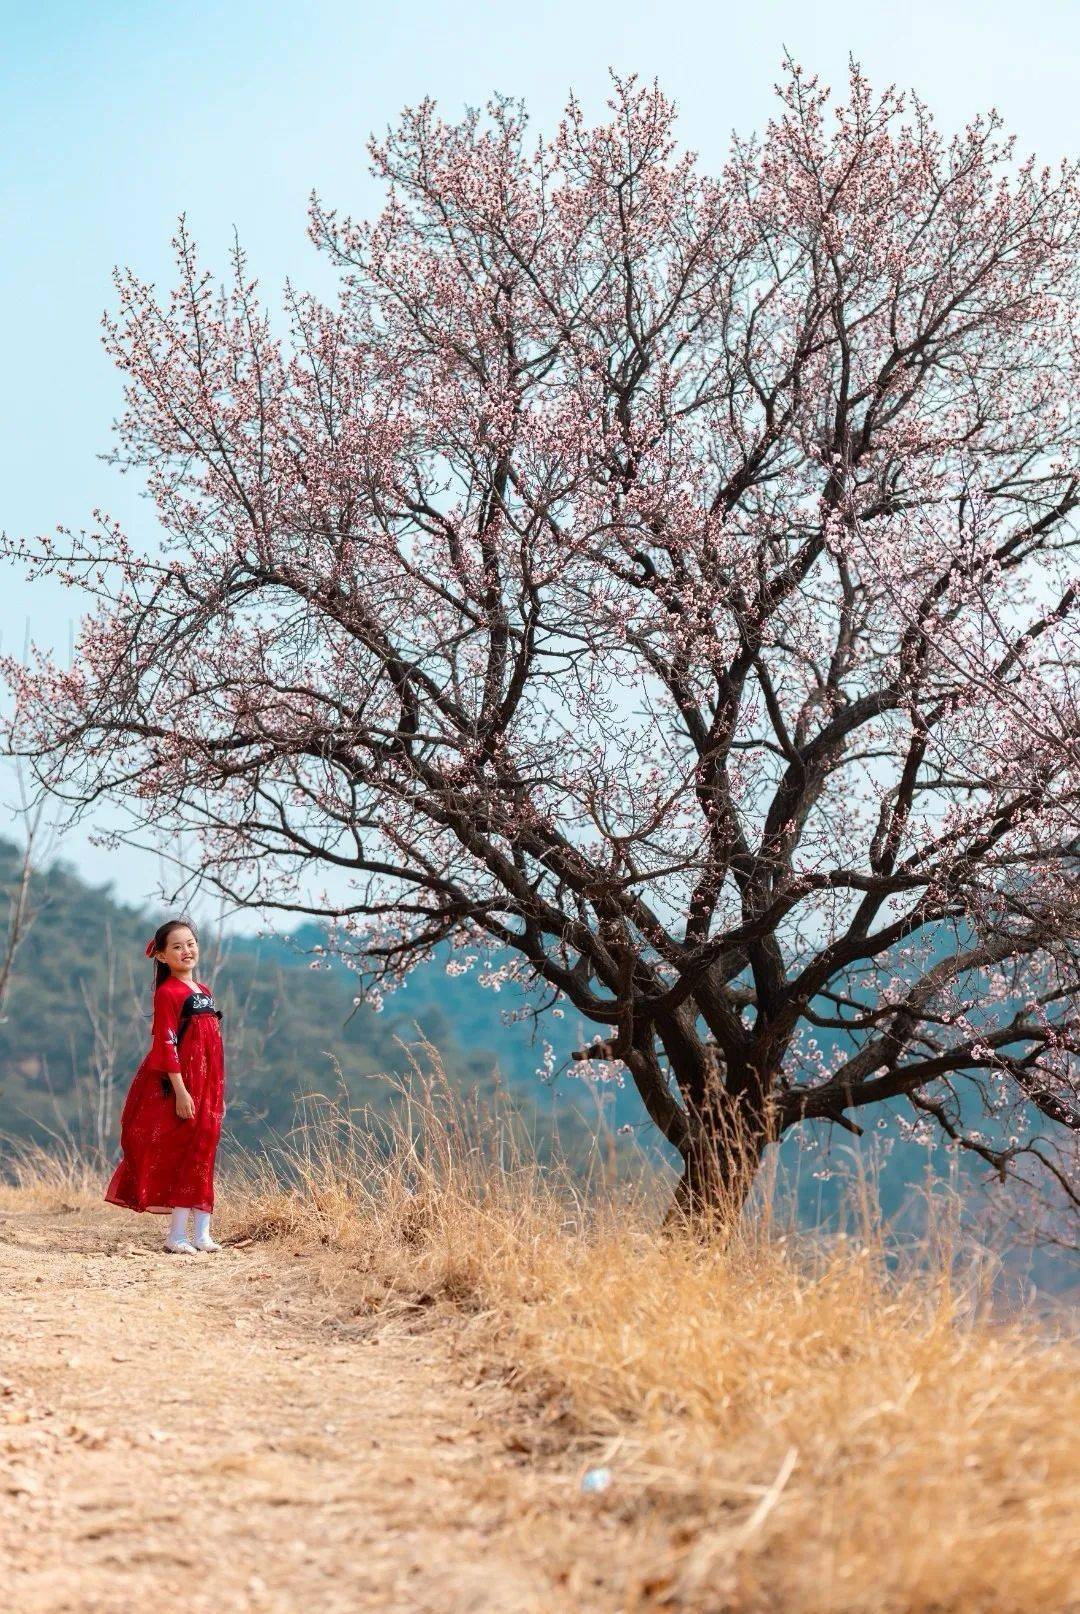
725	1141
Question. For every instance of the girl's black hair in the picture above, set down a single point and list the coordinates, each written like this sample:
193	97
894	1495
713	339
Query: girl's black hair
161	936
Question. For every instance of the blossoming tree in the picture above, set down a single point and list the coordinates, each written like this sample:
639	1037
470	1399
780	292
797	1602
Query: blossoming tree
657	583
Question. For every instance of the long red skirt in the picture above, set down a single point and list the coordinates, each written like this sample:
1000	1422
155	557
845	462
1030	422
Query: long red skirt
166	1161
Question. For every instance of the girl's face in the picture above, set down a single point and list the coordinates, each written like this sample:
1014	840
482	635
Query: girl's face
181	951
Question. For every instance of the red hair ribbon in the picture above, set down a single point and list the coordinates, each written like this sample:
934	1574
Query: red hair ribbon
151	948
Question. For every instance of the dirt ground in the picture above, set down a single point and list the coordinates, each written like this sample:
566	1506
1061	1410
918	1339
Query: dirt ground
204	1434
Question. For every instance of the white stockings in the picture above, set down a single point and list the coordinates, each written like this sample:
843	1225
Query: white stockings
177	1241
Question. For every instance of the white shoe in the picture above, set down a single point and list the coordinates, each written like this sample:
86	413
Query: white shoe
207	1243
180	1247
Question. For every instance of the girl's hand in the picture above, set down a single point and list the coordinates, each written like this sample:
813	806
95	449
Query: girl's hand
185	1105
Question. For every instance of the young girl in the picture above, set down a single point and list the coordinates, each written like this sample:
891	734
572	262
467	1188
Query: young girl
171	1120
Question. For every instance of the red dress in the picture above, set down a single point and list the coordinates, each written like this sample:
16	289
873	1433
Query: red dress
166	1161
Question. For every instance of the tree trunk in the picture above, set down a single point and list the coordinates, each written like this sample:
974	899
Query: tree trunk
726	1140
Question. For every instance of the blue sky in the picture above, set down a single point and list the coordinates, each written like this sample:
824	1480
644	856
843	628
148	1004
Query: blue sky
115	117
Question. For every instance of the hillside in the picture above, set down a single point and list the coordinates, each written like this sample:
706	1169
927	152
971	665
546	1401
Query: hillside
76	1019
417	1380
77	1014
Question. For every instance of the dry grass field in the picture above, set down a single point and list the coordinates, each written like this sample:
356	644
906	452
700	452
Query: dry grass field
387	1390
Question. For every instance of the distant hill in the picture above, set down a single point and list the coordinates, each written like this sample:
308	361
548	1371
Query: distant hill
79	1007
78	1010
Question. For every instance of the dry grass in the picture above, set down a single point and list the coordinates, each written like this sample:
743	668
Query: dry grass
40	1177
790	1424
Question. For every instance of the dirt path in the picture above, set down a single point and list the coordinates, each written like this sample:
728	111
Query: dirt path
181	1434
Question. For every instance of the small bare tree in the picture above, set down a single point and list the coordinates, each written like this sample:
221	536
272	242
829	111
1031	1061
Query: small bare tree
23	902
103	1016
